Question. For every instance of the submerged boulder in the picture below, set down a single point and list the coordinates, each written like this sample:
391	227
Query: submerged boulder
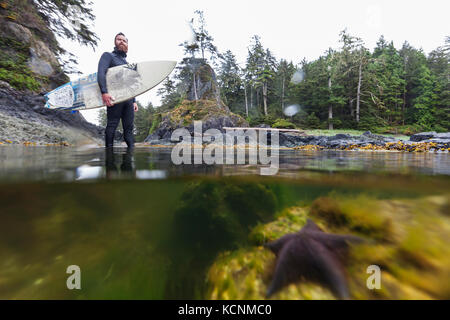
409	245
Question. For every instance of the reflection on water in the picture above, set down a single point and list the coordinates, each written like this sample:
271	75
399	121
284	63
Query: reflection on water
140	227
69	164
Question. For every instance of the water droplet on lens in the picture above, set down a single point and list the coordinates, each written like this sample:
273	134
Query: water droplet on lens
291	110
298	77
191	37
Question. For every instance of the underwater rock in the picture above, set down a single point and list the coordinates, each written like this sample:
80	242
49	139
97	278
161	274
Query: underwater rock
407	238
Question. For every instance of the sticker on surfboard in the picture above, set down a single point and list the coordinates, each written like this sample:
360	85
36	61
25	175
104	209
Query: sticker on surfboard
123	82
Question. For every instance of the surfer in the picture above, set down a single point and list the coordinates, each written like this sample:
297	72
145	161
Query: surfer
124	110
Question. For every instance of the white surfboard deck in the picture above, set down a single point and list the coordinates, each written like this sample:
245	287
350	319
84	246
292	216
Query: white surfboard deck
123	82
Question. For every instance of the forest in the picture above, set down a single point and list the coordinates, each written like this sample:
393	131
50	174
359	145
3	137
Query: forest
384	90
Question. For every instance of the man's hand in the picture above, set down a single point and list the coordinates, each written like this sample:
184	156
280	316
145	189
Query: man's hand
107	99
135	107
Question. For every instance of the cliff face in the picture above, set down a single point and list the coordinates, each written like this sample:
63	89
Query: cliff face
29	67
27	49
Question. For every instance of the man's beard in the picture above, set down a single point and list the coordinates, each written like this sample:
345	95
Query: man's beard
122	48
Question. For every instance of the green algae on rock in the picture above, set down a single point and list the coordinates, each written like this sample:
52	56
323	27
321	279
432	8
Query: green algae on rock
409	242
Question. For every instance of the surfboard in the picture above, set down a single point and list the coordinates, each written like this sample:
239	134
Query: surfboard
123	82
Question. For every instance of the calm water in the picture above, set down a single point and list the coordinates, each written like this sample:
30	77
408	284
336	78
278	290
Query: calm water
140	227
70	164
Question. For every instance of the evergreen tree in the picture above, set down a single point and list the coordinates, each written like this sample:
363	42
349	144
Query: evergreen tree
143	119
229	80
204	42
70	19
439	64
424	102
170	93
254	66
390	82
413	60
348	71
283	85
314	92
101	117
348	87
260	71
266	77
381	46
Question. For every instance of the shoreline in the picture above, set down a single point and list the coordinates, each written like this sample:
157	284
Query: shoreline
421	142
416	147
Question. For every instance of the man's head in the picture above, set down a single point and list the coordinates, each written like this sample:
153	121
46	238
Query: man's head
121	42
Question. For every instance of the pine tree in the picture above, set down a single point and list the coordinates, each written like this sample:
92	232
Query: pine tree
169	93
260	71
204	42
283	75
265	78
254	67
101	117
314	92
351	63
390	82
70	19
424	104
229	80
143	119
439	64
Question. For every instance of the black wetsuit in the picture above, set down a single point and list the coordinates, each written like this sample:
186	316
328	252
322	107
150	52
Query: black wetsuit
124	110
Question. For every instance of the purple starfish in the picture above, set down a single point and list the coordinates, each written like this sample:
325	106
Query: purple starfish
311	254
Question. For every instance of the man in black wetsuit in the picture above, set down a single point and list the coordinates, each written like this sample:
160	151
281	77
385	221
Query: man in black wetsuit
124	110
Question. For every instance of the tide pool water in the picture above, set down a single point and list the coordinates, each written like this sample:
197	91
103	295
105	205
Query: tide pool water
140	227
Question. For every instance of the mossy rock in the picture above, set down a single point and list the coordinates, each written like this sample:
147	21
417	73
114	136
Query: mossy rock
13	65
412	252
356	215
283	124
200	110
205	86
245	275
290	220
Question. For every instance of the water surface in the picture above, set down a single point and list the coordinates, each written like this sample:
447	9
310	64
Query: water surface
140	227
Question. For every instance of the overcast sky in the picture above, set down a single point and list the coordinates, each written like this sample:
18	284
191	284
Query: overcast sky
291	29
